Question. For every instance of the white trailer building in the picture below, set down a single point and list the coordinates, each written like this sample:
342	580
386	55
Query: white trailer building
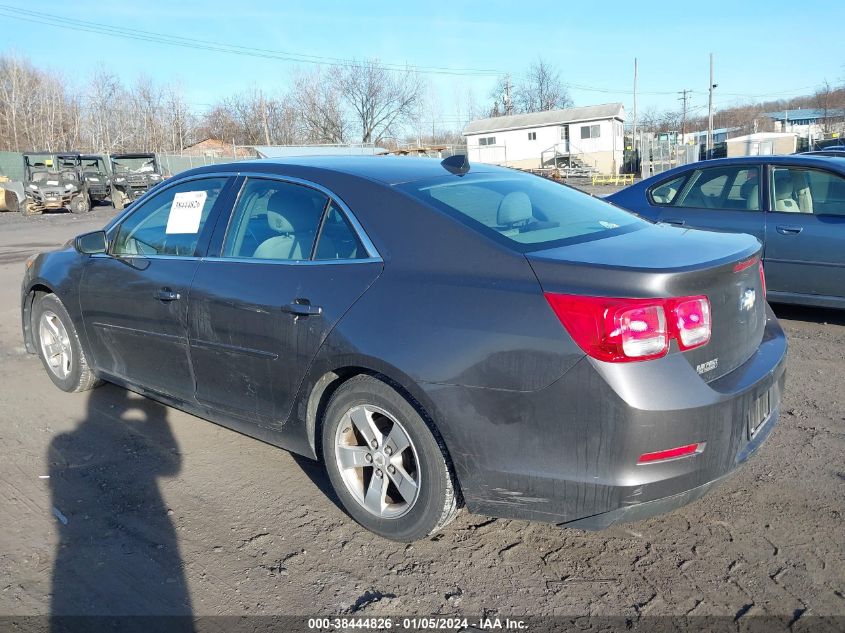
589	136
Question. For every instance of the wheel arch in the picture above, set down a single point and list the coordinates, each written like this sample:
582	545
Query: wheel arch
35	288
327	381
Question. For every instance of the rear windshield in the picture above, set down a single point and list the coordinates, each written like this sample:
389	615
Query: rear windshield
526	211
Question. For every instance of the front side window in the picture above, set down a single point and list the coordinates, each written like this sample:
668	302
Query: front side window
169	223
527	212
815	191
733	188
274	220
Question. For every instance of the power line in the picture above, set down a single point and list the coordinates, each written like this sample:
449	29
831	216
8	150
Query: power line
123	32
46	19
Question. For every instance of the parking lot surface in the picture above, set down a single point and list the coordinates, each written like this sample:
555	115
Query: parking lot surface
110	502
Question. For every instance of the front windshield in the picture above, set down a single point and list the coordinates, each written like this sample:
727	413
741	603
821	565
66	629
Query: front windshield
145	164
93	165
528	211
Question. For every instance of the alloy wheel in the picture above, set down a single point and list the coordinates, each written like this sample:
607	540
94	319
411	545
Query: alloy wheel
55	344
377	461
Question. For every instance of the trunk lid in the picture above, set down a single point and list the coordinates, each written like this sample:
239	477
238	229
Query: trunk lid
662	261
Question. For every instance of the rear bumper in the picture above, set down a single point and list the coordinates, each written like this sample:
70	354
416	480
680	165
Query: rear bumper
568	453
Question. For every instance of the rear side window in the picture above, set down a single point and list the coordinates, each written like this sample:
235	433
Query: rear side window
274	220
170	222
665	192
736	187
337	238
813	191
527	212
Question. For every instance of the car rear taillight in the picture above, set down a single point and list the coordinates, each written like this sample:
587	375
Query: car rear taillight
763	279
692	322
621	330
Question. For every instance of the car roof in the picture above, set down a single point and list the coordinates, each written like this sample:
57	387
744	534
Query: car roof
135	155
389	170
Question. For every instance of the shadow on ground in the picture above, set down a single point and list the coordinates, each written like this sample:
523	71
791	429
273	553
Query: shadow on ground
809	314
117	553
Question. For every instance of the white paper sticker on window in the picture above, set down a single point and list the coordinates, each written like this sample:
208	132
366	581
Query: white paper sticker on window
186	212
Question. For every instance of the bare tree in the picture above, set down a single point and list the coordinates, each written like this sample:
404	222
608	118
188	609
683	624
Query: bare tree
542	89
318	105
824	98
380	99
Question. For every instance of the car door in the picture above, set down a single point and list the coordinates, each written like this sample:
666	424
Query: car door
260	308
805	232
134	299
724	198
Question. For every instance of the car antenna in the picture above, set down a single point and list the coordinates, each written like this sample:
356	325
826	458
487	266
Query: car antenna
456	164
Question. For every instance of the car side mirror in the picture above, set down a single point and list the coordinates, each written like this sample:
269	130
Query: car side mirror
91	243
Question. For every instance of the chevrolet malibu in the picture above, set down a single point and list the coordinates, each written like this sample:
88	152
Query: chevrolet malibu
438	334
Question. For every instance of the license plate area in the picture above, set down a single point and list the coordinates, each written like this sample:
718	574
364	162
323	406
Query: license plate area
760	412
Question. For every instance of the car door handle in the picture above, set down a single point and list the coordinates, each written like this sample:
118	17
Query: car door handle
674	221
166	294
302	307
790	230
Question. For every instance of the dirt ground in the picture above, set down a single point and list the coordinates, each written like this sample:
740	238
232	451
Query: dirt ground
111	503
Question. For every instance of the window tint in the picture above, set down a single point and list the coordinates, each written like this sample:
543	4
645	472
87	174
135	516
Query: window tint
169	223
274	220
665	193
736	187
807	191
337	238
526	210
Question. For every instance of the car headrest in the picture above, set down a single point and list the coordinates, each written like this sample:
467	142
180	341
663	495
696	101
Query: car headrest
783	185
291	213
799	181
514	207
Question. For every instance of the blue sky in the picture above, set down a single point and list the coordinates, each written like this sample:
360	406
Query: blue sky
763	48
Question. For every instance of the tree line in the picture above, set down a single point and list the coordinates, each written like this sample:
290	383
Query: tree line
356	102
747	118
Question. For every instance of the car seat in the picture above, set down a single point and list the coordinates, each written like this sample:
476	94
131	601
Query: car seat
783	193
515	210
801	192
293	218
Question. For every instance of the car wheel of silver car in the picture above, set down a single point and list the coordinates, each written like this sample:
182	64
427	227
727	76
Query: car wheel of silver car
387	463
59	347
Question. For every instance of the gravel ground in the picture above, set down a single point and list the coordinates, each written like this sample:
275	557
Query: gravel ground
113	503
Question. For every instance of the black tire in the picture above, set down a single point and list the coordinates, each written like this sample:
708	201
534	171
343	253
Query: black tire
27	209
438	499
12	202
80	377
80	204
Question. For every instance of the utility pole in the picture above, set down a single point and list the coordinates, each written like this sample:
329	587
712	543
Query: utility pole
634	133
710	112
264	120
507	96
684	98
